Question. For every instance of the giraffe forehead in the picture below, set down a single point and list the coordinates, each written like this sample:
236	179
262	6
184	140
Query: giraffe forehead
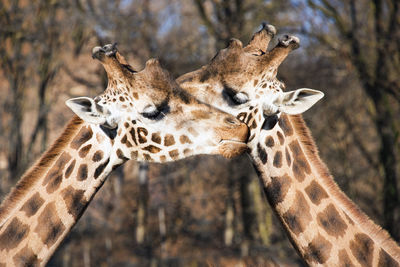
265	86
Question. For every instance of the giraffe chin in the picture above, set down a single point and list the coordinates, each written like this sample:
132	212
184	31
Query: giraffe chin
231	148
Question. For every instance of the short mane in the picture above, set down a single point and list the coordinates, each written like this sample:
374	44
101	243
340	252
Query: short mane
30	177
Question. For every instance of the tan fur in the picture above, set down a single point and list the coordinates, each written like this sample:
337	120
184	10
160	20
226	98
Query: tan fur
378	234
32	175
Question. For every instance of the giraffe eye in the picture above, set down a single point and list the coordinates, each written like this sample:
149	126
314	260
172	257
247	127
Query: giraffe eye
151	112
240	98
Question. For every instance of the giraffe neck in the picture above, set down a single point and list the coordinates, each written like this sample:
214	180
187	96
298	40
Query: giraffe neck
322	223
53	194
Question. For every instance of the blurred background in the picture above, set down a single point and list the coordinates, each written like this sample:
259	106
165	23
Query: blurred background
204	210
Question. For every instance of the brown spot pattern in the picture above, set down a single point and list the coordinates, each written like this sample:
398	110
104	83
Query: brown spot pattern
344	259
75	201
280	137
278	159
386	260
82	172
288	158
84	135
97	156
262	154
300	164
169	140
156	138
133	135
55	173
121	155
69	170
128	144
84	150
152	149
147	157
241	116
284	124
32	205
277	189
249	118
315	192
362	248
49	227
329	219
318	250
54	177
101	168
134	155
184	139
15	232
298	216
142	133
269	142
54	184
174	154
26	257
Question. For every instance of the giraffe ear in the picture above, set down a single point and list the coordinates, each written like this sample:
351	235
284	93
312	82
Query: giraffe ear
298	101
88	110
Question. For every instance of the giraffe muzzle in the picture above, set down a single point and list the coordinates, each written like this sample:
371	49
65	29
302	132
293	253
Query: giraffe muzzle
233	138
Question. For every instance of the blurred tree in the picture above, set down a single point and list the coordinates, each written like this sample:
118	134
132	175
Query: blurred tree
30	45
226	19
368	35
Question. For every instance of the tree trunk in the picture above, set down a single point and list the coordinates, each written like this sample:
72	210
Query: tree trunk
15	165
384	124
143	199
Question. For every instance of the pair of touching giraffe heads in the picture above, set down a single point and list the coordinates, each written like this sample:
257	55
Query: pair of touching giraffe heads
152	118
171	124
146	116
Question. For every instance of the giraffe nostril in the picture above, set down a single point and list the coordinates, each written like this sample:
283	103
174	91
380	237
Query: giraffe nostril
231	121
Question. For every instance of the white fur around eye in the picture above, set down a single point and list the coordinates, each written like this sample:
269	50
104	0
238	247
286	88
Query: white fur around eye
149	109
241	98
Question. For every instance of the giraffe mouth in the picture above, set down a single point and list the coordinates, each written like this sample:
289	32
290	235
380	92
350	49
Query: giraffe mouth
231	148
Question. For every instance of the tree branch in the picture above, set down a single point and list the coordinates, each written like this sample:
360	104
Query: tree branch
77	79
206	20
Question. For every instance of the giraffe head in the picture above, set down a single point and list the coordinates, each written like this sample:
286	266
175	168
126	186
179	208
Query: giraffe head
150	118
242	81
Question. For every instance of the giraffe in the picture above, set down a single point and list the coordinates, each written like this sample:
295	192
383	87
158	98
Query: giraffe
143	116
322	223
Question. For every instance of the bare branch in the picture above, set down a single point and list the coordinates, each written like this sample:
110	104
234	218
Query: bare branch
358	142
78	79
206	20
